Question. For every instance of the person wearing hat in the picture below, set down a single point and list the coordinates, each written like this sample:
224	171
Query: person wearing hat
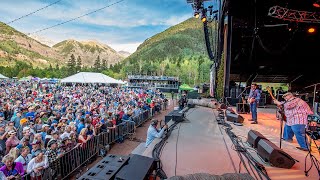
12	141
153	132
52	151
36	145
296	112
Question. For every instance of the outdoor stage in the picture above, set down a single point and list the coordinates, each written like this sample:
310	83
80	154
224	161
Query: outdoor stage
201	145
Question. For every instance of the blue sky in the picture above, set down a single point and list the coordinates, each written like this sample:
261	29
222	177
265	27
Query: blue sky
123	26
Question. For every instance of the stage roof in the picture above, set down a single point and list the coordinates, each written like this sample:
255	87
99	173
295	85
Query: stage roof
270	49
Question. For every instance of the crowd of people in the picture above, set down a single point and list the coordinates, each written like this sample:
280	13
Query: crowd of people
39	124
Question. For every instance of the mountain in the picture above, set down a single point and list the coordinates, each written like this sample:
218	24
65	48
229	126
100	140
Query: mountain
184	39
42	40
16	46
88	51
124	53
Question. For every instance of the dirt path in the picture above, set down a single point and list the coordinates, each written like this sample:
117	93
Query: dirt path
128	146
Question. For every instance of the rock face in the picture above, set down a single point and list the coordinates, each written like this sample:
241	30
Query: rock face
16	46
88	51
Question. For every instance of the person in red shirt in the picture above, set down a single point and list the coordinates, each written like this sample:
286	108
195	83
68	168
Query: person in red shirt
296	111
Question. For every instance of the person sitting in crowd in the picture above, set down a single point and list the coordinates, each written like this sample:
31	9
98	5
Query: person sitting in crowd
12	170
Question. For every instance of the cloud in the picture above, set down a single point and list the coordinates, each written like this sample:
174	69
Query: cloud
124	25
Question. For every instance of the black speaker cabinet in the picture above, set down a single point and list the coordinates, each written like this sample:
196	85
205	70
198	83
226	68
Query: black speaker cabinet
254	137
232	117
269	152
138	168
243	108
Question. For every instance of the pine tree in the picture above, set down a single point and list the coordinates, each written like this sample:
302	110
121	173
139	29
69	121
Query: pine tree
50	67
79	63
71	64
57	66
104	64
97	64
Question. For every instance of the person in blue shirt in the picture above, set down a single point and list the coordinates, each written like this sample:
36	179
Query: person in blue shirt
253	100
153	132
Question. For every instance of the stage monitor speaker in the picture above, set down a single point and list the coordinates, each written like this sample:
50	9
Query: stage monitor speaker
243	108
236	118
138	168
191	105
254	137
269	152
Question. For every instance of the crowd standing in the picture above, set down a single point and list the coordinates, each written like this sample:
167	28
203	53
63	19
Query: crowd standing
41	122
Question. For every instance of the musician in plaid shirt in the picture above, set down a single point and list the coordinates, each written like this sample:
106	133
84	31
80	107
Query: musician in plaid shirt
296	111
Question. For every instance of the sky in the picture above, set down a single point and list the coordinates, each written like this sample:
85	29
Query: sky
123	26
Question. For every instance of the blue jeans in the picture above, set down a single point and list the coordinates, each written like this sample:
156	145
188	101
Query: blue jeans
299	131
253	109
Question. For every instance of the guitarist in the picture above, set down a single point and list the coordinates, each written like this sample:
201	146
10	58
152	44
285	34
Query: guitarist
296	111
253	100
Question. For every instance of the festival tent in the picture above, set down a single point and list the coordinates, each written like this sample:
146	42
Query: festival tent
3	77
90	77
185	87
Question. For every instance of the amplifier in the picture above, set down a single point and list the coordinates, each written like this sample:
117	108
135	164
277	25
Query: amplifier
138	168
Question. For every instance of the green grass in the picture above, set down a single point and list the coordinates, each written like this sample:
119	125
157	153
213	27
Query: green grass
12	48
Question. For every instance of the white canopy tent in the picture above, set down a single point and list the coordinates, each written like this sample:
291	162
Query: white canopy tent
3	77
90	77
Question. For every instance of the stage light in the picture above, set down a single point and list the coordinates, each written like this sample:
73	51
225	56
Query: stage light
196	15
316	4
311	30
203	19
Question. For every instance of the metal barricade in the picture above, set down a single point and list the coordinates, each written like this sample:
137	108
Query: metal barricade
71	161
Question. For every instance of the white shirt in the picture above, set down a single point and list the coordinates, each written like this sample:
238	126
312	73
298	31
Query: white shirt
33	165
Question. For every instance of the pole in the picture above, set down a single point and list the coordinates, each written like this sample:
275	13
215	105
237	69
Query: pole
314	95
281	126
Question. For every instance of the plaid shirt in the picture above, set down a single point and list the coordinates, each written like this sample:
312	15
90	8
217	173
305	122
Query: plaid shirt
296	111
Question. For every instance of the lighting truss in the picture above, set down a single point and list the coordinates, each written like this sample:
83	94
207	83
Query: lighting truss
294	15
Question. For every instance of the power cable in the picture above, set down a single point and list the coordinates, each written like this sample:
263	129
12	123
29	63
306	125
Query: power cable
175	167
59	24
33	12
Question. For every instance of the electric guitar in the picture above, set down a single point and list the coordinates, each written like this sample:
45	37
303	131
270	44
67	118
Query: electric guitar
280	108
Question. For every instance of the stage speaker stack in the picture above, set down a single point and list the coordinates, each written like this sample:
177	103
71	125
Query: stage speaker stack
233	117
243	108
269	152
254	137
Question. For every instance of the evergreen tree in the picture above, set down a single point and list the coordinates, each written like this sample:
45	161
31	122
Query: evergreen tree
104	64
97	64
50	67
71	64
57	66
79	63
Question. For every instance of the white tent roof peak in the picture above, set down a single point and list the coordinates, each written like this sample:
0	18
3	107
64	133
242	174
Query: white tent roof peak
90	77
3	77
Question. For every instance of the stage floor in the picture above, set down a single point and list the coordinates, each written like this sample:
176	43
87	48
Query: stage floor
201	145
